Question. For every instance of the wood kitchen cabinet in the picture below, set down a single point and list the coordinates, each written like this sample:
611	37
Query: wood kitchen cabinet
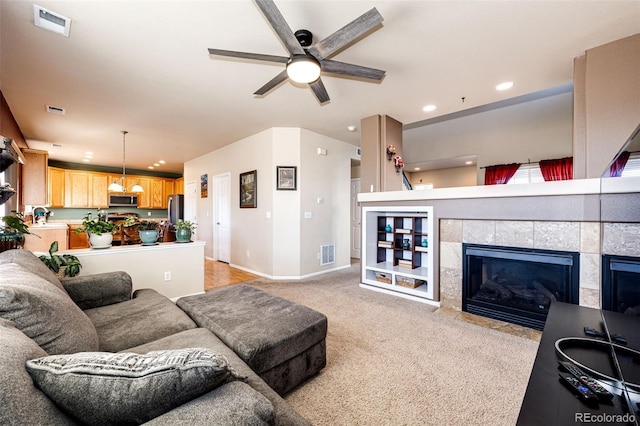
86	189
41	238
179	186
34	177
55	187
77	240
157	194
99	195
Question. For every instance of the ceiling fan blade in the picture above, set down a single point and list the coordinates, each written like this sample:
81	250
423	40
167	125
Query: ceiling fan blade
275	81
319	91
275	18
245	55
343	68
346	34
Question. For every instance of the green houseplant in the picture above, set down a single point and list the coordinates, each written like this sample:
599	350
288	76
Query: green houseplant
67	264
13	231
184	229
100	231
148	231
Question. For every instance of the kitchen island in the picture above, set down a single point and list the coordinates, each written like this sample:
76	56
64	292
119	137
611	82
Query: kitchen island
172	269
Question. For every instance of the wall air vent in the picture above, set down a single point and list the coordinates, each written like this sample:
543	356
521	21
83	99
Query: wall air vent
55	110
51	21
327	254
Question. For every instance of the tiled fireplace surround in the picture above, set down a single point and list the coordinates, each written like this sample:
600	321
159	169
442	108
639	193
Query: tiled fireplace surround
590	239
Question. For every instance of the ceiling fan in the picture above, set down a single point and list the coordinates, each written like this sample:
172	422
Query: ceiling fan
307	61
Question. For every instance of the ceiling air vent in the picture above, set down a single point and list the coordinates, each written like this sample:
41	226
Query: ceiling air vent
51	21
55	110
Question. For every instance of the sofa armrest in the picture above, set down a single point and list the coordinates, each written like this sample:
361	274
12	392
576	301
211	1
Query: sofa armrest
95	290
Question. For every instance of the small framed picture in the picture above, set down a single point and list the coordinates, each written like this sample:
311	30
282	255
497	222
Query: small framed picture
249	190
286	178
204	186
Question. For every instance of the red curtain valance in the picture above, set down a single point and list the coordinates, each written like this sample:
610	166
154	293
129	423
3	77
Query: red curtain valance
559	169
500	174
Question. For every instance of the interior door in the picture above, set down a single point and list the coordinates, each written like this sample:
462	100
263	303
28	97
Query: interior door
222	224
355	219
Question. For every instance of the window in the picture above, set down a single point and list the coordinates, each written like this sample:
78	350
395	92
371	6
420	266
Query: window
527	173
632	168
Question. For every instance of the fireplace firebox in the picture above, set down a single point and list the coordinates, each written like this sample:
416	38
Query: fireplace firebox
517	285
621	284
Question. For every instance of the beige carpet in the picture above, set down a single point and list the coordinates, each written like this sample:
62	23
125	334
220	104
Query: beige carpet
391	361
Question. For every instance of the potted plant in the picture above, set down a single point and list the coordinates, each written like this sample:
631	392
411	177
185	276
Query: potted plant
12	232
99	230
66	265
184	229
148	231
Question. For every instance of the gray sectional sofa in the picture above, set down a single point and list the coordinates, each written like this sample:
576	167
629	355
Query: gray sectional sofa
52	330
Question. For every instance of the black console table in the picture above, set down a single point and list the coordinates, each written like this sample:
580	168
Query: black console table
548	401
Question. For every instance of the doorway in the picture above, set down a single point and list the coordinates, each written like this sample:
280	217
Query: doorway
222	217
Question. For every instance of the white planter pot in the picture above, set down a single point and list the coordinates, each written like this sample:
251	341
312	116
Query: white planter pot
100	241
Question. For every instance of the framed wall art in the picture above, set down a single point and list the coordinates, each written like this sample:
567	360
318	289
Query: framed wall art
286	178
204	186
249	190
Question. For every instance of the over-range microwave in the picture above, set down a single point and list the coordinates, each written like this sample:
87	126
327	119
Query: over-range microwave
123	200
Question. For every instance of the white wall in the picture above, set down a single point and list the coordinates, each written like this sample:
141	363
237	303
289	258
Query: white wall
535	130
280	242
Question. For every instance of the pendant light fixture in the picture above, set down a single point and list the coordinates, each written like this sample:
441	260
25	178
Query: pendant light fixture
122	185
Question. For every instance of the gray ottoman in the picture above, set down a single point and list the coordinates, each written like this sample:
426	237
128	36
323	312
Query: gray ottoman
282	341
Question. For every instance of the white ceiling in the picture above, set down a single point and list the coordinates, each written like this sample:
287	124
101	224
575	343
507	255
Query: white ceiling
143	66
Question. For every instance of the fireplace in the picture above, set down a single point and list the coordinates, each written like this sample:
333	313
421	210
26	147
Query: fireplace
517	285
621	284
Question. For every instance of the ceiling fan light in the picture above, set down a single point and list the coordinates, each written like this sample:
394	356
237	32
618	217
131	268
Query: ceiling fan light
303	69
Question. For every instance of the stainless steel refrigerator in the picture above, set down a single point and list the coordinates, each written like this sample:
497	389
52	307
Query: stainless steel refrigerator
175	208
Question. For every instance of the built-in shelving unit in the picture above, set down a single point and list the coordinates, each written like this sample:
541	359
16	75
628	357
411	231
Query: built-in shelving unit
396	256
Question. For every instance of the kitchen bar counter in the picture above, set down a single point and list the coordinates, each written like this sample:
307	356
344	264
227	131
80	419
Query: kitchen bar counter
173	269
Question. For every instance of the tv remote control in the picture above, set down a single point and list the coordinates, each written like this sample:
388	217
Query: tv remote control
587	380
577	387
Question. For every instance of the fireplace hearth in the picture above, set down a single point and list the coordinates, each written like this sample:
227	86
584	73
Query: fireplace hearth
621	284
517	285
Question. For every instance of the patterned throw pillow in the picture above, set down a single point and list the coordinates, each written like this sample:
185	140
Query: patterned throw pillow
101	388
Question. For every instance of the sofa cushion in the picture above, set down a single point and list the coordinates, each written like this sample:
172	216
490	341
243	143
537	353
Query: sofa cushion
147	317
231	404
22	403
284	413
31	263
128	388
44	313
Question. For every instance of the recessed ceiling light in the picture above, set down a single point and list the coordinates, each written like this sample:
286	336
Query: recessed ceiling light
150	167
156	165
86	160
351	128
429	108
161	161
88	154
505	86
417	168
468	163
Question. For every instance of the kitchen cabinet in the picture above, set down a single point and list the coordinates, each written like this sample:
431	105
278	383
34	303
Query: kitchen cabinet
99	193
144	198
77	240
55	187
42	236
179	186
157	194
34	177
76	189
